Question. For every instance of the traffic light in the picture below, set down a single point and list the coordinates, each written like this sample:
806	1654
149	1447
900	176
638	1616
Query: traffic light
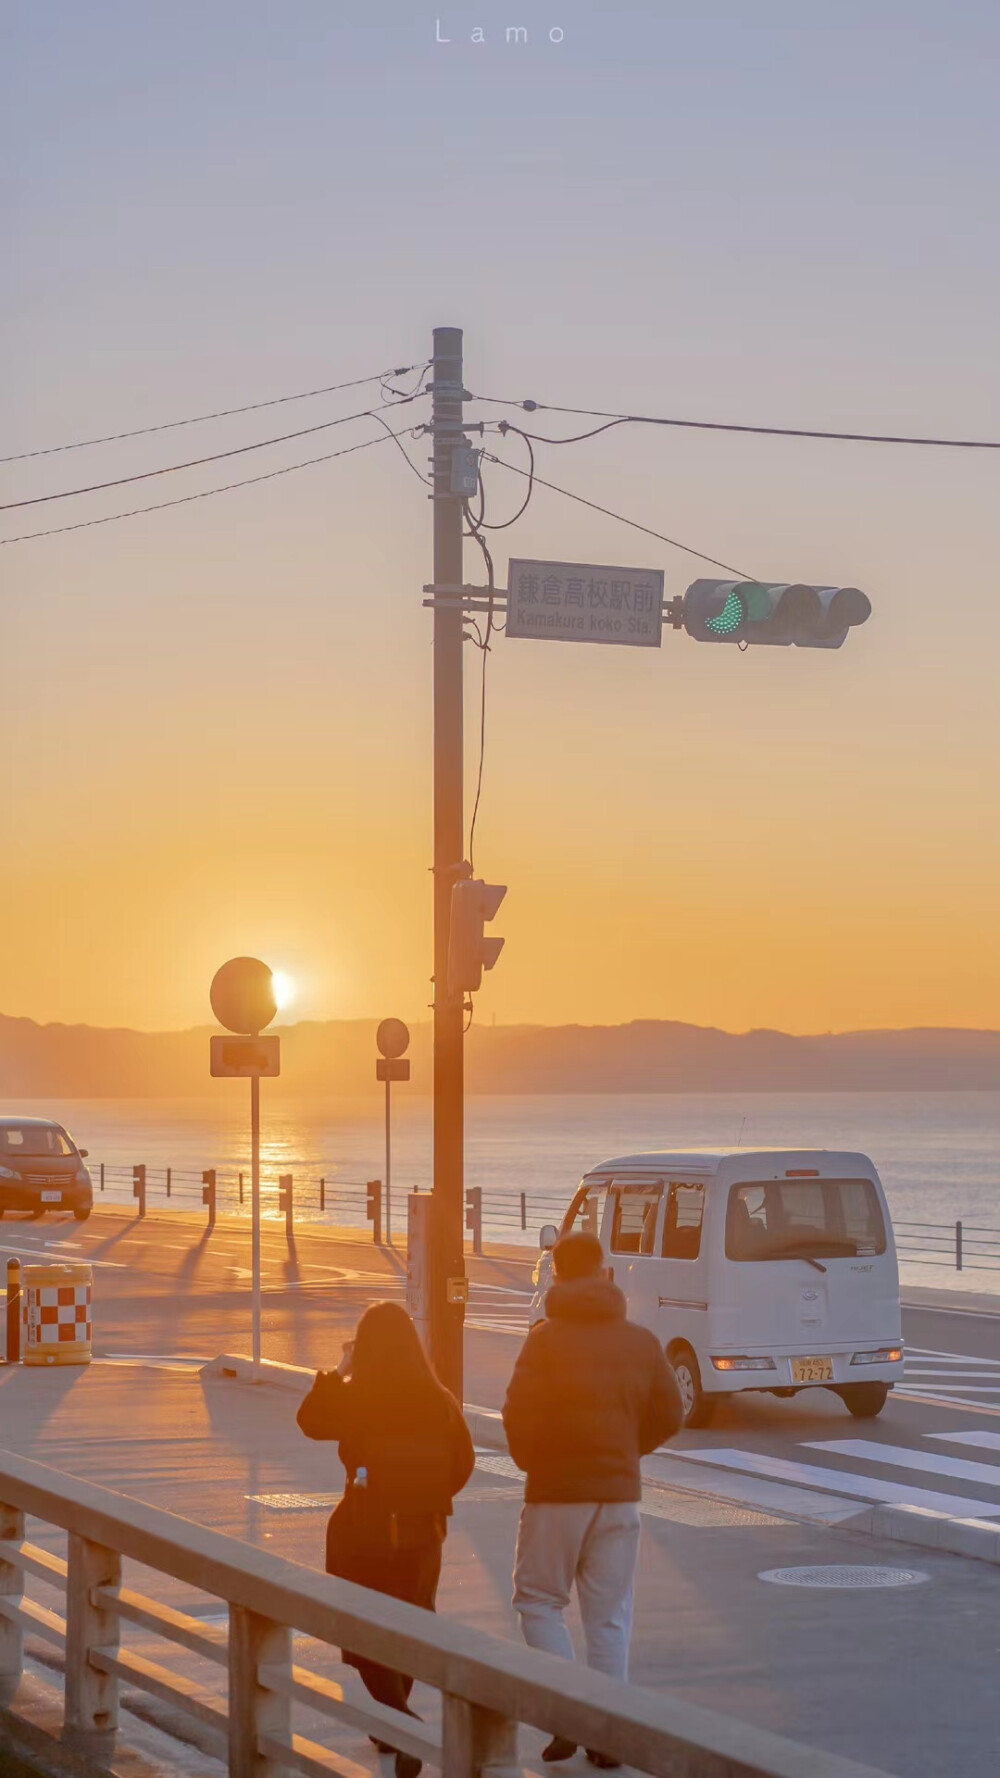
470	951
753	612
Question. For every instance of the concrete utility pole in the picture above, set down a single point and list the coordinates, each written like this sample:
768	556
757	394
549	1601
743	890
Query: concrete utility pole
447	1321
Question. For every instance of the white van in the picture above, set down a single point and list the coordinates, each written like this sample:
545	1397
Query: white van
764	1269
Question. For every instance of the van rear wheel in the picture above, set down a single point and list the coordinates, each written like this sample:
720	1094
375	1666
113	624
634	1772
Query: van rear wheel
864	1400
698	1407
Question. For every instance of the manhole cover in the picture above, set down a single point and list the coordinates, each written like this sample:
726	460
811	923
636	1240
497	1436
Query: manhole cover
844	1574
292	1503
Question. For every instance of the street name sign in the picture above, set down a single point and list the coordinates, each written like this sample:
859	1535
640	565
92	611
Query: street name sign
585	602
240	1058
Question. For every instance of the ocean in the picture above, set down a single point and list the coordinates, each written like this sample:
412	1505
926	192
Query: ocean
938	1154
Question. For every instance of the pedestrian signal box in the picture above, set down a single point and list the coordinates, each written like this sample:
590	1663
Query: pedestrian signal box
240	1058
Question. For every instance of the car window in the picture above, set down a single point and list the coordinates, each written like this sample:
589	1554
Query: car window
584	1214
633	1227
683	1220
25	1139
804	1219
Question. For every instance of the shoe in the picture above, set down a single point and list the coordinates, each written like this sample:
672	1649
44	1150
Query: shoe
558	1748
604	1761
408	1765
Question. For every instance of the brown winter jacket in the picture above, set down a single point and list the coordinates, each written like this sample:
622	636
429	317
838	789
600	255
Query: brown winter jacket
591	1394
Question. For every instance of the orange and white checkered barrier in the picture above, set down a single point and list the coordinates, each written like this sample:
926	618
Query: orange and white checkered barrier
57	1314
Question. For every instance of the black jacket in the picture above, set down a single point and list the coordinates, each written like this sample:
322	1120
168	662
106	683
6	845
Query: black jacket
591	1394
417	1452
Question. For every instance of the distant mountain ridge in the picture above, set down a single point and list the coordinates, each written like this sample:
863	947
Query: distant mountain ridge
645	1056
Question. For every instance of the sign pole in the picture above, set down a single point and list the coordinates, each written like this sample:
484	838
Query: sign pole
447	1319
255	1208
388	1161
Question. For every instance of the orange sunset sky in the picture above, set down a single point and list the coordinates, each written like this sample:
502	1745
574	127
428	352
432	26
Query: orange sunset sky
215	722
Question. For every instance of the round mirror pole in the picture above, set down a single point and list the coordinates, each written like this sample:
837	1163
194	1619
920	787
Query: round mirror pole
391	1040
243	1000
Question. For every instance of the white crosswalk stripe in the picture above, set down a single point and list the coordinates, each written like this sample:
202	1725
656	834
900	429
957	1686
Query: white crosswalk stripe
958	1378
842	1481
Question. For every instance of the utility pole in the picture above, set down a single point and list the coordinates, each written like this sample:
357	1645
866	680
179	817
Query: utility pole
447	1320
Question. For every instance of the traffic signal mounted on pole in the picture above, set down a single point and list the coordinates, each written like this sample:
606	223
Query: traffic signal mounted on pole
470	950
750	612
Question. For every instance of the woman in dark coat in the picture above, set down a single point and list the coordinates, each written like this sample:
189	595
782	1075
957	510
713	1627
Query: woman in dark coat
406	1451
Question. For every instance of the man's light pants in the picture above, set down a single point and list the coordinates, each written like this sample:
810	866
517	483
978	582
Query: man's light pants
595	1546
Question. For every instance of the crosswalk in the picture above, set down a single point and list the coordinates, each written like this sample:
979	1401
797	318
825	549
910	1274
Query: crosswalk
951	1377
914	1474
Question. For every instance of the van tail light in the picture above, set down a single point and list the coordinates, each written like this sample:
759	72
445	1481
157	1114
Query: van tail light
744	1363
884	1355
803	1173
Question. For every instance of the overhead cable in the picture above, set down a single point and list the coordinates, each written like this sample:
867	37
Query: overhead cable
146	475
222	413
608	512
888	438
205	493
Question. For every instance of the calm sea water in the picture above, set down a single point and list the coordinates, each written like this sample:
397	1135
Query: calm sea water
938	1153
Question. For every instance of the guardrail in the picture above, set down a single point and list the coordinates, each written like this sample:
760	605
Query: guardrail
487	1686
509	1217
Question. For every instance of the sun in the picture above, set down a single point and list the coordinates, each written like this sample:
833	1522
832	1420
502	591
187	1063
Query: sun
284	988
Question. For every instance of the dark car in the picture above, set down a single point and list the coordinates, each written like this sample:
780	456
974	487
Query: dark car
42	1169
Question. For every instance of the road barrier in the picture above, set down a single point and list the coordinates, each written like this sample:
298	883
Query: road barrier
57	1314
487	1686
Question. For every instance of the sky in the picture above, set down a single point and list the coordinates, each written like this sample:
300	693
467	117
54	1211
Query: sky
215	727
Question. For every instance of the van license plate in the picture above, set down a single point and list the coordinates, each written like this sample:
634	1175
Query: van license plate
52	1197
812	1370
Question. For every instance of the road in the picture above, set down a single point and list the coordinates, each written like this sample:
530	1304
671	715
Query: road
901	1678
166	1288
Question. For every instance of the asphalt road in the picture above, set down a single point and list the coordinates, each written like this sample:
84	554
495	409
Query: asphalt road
902	1678
166	1288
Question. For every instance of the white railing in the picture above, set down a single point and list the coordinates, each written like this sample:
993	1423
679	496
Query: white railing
487	1686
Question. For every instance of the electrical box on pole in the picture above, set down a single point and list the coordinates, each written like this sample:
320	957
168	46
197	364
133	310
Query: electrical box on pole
470	949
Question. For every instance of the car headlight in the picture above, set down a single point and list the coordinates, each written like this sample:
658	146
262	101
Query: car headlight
744	1363
8	1173
884	1355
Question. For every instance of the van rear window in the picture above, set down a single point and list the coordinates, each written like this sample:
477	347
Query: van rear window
804	1219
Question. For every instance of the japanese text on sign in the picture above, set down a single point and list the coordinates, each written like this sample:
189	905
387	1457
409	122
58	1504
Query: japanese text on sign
581	602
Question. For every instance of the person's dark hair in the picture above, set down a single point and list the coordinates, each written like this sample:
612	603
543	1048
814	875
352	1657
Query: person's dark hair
577	1256
389	1359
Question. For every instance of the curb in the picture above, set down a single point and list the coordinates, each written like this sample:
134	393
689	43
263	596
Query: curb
978	1539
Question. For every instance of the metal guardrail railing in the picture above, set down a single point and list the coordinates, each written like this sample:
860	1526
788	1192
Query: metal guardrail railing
494	1216
487	1686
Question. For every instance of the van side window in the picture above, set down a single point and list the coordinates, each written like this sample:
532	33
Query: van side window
682	1223
633	1228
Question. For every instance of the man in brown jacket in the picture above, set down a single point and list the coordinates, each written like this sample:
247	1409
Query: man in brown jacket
591	1394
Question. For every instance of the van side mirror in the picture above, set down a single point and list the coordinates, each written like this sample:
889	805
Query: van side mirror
83	1153
548	1235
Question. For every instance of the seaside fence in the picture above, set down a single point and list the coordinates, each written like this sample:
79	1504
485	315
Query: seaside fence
492	1216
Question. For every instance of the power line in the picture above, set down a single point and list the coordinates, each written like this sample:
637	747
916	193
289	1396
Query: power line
222	413
891	438
112	518
674	542
146	475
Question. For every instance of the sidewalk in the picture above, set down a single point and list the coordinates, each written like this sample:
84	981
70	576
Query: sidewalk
863	1673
